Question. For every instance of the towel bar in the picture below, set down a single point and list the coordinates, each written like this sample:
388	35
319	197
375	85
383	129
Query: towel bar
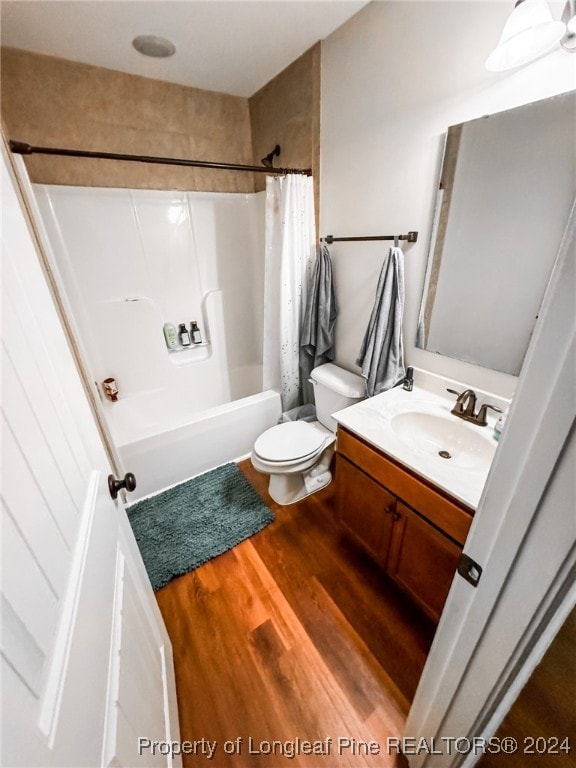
411	237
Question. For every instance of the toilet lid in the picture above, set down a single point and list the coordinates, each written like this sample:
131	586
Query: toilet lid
292	440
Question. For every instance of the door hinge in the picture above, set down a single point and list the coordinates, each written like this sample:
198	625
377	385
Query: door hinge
469	569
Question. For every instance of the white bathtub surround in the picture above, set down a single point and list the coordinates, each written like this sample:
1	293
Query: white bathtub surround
290	249
131	260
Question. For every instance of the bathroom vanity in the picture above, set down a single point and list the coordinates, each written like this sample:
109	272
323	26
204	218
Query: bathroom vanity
408	507
415	533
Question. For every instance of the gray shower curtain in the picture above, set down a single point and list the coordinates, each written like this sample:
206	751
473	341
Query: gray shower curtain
382	354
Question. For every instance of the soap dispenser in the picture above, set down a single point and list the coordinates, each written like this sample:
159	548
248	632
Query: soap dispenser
408	381
499	426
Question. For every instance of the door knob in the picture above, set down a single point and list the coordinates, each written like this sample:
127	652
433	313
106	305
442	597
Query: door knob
128	484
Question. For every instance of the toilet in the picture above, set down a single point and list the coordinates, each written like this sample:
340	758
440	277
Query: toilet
297	454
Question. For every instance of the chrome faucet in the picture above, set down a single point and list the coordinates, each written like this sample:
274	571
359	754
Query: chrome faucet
466	405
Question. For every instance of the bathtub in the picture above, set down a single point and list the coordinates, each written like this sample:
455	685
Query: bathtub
163	443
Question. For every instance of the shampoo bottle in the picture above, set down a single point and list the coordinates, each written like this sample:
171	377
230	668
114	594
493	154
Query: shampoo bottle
183	335
170	336
195	333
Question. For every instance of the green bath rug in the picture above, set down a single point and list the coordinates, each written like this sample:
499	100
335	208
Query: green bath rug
185	526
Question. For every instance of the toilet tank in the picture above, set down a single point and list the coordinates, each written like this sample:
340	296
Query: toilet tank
334	389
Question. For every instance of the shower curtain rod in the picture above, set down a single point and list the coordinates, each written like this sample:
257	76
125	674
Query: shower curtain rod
22	148
411	237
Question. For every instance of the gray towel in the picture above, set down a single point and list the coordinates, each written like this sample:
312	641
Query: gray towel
317	335
382	354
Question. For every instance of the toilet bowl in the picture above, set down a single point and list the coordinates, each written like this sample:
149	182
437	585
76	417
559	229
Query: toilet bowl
297	455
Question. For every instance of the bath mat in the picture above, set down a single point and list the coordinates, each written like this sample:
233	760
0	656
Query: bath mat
185	526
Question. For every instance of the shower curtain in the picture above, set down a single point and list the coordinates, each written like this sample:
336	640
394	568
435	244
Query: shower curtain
290	248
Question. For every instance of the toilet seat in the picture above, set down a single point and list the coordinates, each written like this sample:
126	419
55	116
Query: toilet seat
290	443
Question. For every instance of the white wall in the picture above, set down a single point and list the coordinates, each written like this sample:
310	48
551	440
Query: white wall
393	79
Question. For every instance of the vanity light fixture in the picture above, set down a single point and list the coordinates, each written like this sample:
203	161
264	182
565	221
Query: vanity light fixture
530	32
152	45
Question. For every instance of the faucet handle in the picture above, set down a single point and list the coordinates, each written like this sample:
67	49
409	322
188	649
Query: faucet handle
481	415
465	403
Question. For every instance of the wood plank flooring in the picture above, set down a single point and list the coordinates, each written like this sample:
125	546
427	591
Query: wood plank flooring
542	720
291	635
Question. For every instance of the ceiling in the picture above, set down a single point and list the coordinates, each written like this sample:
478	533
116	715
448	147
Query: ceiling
232	46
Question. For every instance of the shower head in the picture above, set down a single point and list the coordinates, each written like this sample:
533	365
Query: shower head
267	161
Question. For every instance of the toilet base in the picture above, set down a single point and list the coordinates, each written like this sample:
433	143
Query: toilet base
290	484
290	488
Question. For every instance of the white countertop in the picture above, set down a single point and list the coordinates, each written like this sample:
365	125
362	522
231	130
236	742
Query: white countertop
464	474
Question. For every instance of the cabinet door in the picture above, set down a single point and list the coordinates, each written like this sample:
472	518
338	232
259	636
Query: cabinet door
422	560
364	509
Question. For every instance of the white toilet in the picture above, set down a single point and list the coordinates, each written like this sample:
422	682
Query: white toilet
297	454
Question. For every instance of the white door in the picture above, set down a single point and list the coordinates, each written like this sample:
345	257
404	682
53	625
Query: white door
490	637
86	662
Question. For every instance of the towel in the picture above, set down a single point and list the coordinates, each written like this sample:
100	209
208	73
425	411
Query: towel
317	335
382	354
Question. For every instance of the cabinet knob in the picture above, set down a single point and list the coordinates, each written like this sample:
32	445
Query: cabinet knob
390	508
396	516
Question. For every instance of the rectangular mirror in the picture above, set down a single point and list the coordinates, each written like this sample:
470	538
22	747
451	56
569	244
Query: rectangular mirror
507	185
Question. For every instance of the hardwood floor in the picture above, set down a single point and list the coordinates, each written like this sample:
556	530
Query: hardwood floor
292	635
542	720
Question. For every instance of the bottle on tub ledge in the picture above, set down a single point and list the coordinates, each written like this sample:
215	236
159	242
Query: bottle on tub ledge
195	334
170	336
183	335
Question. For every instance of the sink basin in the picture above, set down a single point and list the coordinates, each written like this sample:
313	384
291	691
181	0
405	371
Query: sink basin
417	430
448	439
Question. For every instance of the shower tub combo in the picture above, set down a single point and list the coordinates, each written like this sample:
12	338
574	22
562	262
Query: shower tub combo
130	261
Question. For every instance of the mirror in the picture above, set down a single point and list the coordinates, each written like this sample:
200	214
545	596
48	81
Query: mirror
507	184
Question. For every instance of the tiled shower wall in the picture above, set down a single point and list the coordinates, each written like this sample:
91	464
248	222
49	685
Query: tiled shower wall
287	111
54	102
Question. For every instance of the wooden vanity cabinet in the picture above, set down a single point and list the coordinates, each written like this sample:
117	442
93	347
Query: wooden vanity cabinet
414	532
365	510
422	560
